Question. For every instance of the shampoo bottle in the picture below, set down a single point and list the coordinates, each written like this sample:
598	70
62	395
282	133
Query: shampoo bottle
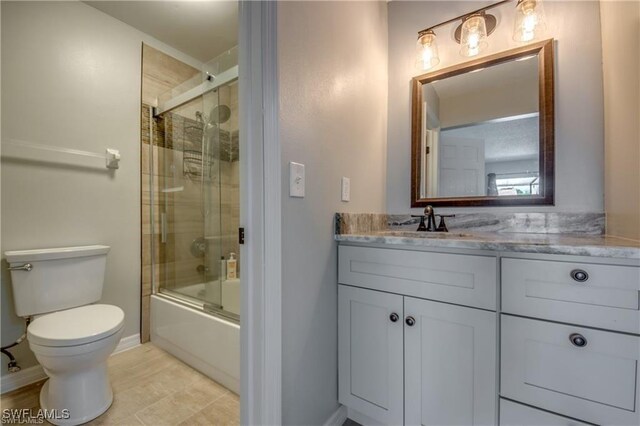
231	267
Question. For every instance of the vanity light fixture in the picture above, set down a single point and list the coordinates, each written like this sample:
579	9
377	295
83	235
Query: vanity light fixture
530	20
473	33
476	26
427	51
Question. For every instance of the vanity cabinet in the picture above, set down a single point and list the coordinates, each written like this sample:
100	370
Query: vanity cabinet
407	360
420	333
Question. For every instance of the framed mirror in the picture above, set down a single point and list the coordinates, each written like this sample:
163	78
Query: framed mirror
483	131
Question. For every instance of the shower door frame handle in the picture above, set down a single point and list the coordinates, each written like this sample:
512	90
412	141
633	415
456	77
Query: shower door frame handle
163	227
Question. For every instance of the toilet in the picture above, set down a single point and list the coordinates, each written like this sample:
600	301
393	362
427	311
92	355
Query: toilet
70	334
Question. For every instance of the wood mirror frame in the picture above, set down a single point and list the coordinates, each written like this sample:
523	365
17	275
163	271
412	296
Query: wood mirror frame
544	51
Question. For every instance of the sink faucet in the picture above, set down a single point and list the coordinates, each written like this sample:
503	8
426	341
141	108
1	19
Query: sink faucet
431	218
430	215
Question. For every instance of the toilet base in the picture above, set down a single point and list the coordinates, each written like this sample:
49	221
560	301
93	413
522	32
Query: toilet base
72	409
78	389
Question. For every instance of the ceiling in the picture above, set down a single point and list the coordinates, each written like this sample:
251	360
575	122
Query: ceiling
201	29
507	140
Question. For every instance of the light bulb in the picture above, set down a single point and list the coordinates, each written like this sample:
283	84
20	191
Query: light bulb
474	34
530	21
427	51
473	44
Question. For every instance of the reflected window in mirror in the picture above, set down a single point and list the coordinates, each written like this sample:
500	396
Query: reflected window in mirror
482	135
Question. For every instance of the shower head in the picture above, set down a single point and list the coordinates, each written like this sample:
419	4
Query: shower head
220	114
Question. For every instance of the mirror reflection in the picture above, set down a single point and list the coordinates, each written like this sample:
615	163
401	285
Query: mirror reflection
480	133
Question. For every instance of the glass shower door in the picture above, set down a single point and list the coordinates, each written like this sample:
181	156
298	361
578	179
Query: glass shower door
222	201
189	194
227	149
211	203
198	204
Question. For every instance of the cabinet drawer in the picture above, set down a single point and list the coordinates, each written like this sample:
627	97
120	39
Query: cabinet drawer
461	279
596	382
609	298
513	414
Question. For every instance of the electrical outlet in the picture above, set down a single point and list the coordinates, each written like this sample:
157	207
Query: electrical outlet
346	189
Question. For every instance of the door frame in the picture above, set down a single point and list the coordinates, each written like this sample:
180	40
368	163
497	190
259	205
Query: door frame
260	207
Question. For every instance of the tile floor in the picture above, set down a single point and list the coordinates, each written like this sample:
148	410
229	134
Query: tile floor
152	387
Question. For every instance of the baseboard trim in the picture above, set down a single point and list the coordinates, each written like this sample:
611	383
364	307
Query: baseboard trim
13	381
127	343
27	376
360	418
338	417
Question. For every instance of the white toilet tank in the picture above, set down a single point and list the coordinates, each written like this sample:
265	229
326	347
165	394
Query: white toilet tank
59	278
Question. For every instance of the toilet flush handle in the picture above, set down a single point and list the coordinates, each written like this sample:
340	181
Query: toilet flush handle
26	267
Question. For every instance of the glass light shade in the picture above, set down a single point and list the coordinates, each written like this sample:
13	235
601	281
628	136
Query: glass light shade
427	52
474	35
530	21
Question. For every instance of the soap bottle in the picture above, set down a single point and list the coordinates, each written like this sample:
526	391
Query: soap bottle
231	266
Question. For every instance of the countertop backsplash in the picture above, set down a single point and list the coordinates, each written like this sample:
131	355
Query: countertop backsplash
538	223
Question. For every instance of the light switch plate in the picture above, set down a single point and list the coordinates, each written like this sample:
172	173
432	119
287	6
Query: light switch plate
346	189
296	180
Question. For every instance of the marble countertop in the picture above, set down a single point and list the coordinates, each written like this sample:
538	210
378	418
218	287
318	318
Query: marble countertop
577	245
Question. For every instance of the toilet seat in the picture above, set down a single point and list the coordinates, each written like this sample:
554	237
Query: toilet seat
76	326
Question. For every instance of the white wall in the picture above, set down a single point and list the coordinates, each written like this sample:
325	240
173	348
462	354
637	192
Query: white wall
71	78
621	54
579	110
333	99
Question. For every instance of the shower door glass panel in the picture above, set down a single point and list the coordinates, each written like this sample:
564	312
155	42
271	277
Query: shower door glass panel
197	210
228	150
189	204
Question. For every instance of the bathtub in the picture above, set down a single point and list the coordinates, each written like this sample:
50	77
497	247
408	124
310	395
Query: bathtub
208	343
230	293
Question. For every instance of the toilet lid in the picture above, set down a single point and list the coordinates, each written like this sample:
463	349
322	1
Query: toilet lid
76	326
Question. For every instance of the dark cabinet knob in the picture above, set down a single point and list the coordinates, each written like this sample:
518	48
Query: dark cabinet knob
578	340
579	275
410	321
394	317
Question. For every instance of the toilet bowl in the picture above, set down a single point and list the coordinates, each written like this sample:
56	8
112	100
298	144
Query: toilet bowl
71	336
73	346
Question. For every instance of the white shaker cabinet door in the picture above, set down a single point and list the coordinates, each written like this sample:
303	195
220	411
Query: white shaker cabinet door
370	353
450	364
